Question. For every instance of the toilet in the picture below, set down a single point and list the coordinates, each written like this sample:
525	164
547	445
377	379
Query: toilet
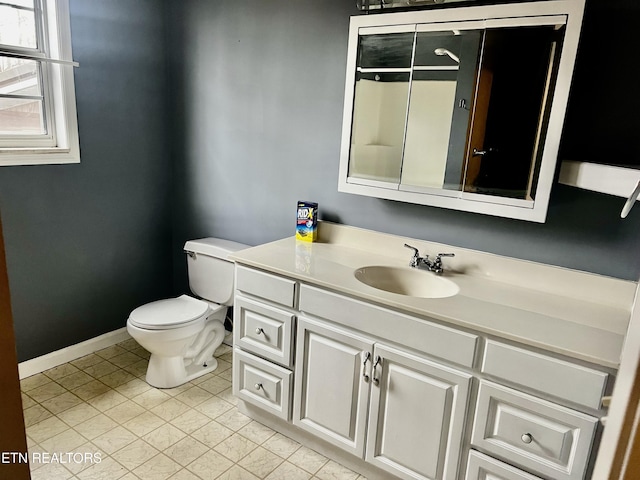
183	333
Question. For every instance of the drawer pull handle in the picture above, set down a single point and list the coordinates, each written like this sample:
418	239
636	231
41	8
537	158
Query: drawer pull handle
259	331
527	438
378	361
257	386
367	356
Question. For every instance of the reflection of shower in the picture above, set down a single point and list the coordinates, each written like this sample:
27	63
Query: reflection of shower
443	51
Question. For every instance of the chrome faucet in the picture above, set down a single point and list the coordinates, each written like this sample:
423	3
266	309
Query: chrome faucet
434	266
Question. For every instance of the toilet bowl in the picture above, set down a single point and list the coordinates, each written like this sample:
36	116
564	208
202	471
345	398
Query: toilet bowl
183	333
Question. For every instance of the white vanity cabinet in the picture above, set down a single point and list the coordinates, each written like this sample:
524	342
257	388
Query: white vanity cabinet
416	415
402	396
414	408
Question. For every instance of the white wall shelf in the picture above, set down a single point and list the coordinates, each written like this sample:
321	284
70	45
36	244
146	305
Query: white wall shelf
609	179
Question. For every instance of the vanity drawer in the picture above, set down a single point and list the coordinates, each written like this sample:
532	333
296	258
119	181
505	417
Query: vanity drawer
537	435
264	330
422	335
561	379
482	467
264	285
261	383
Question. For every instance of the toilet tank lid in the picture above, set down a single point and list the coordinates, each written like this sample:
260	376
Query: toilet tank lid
214	247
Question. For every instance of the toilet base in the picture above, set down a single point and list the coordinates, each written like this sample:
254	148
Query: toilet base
170	372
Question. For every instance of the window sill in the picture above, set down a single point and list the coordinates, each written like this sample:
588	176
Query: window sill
38	156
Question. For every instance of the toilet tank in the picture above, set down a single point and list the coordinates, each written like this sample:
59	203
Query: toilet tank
210	272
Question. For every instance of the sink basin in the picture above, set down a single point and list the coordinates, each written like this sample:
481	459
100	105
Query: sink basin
407	281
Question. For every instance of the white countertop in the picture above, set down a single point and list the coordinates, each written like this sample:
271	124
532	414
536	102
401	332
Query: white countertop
573	313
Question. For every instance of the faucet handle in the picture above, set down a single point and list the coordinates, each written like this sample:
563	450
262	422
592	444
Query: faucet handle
438	261
416	255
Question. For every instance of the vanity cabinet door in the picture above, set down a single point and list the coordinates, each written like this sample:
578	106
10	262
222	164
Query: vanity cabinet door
417	415
332	384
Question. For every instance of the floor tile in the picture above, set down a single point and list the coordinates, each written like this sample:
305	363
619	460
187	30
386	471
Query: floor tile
27	401
138	369
66	441
165	436
87	361
289	472
61	371
235	447
107	469
170	409
256	432
159	467
214	407
233	419
237	473
51	471
35	414
281	445
186	451
110	352
261	462
212	433
29	383
193	396
61	403
117	378
100	407
115	439
135	454
108	400
185	474
46	391
78	414
215	385
308	459
124	412
210	465
46	429
101	369
151	398
95	426
334	471
125	359
91	390
133	388
190	421
143	424
75	380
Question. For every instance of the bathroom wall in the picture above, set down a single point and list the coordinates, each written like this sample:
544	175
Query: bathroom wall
86	243
257	91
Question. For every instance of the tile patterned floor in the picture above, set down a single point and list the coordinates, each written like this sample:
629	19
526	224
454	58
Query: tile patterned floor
101	404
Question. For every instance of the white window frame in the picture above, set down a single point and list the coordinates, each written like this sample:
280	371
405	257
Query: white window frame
61	143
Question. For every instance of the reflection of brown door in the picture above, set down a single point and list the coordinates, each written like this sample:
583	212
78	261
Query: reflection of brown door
12	435
477	128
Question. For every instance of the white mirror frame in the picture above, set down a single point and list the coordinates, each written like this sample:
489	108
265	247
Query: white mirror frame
491	16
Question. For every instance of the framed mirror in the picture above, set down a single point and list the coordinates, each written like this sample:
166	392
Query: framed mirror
459	108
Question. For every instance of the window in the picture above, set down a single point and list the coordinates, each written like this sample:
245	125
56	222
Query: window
38	121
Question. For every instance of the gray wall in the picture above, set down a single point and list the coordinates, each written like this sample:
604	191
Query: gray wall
247	123
259	88
86	243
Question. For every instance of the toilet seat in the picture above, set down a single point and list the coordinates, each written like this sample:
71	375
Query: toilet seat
170	313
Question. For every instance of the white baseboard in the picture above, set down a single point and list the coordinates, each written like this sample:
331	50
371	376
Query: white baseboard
72	352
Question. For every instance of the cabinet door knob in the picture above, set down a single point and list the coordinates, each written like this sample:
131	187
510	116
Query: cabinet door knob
259	331
527	438
257	386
